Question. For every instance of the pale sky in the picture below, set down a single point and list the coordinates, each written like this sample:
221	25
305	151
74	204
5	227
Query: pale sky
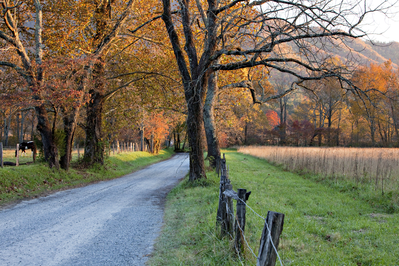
383	28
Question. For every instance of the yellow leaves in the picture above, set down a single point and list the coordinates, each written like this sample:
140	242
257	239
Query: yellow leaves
374	79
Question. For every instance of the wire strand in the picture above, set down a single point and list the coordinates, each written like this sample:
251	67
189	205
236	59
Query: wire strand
243	235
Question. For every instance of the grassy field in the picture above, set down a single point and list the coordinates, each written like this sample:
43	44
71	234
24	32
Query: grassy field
27	181
9	155
375	170
324	224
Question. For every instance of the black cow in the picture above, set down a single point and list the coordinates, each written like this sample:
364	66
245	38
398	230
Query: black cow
23	146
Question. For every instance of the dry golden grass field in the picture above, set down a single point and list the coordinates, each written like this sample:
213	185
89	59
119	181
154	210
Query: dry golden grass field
376	166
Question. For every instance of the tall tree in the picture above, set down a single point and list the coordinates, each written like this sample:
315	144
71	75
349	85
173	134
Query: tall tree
18	39
249	34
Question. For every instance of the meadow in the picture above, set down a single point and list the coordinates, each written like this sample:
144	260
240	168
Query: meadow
27	157
324	224
375	168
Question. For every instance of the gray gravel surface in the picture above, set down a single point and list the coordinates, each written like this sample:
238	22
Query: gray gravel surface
109	223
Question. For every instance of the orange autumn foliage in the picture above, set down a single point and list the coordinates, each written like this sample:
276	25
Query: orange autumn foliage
156	125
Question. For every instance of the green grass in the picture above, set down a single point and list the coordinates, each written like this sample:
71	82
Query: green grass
27	181
324	224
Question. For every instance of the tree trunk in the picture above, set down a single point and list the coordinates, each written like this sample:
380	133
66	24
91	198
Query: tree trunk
338	129
95	146
283	120
193	79
32	132
18	124
195	136
209	120
395	122
321	126
7	123
70	121
43	126
372	132
21	136
142	138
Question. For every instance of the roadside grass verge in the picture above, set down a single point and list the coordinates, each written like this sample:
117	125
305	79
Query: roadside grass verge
28	181
324	225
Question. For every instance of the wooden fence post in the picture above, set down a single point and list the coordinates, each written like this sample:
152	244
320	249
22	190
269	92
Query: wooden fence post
267	255
217	164
17	157
240	220
229	221
222	210
1	155
34	153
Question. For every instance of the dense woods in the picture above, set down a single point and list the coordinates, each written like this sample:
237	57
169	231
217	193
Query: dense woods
199	74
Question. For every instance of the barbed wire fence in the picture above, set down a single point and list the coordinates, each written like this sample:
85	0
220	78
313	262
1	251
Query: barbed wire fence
233	225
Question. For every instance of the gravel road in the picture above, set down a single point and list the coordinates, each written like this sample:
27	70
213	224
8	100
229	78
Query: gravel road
109	223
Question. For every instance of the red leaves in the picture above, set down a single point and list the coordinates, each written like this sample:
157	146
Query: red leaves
272	118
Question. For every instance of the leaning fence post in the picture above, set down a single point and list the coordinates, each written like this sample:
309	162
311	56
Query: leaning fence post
267	254
221	213
17	155
240	220
1	155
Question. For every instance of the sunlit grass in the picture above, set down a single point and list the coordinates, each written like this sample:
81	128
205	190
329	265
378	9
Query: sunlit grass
373	169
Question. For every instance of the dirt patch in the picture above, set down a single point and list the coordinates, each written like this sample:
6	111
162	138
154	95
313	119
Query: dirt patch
159	197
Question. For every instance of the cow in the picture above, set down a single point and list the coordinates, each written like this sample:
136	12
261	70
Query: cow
23	146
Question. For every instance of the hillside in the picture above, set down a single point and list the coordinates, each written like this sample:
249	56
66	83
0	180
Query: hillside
353	52
358	51
387	50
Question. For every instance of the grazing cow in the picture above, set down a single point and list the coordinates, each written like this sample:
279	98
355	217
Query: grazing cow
23	146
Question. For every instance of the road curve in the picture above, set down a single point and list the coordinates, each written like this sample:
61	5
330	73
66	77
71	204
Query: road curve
109	223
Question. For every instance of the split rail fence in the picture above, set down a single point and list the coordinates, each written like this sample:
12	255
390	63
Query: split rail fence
234	225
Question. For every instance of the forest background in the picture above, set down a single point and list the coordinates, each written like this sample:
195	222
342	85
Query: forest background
94	72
